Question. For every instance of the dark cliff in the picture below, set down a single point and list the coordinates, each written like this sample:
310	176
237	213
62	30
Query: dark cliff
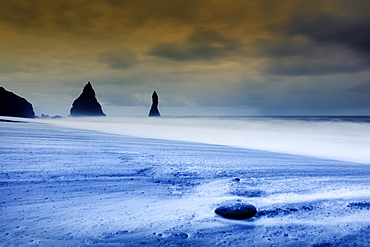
14	106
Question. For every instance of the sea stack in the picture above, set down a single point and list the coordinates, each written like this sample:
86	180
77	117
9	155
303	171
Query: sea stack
154	109
86	105
14	106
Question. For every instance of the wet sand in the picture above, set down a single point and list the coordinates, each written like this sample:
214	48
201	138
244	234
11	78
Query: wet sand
70	187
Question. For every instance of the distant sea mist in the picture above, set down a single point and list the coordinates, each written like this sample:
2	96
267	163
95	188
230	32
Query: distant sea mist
338	138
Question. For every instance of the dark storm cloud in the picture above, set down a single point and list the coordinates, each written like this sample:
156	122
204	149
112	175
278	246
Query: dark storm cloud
19	11
352	32
50	16
121	59
318	44
283	46
86	17
201	45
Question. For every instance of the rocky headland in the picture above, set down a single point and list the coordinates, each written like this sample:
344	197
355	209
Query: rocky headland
13	105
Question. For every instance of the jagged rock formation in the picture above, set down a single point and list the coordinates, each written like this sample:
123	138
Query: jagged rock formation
86	105
154	109
14	106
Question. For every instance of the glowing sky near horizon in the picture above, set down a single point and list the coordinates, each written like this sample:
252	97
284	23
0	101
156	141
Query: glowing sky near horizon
215	57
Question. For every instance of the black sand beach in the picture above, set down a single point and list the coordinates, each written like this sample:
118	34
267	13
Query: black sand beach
69	187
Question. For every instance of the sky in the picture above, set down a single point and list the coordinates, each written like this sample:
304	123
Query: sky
202	57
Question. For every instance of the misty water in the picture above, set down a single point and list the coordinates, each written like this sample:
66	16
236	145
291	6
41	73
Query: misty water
339	138
131	181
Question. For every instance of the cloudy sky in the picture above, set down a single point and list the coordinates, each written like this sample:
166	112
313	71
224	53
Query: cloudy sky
225	57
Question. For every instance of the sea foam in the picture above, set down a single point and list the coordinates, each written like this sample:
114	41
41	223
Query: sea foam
330	138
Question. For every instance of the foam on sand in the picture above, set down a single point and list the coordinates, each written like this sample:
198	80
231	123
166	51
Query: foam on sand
339	140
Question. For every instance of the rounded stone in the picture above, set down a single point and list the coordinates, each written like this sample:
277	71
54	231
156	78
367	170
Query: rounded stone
237	211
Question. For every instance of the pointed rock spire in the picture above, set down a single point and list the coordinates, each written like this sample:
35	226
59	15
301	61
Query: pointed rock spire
154	109
86	104
14	106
